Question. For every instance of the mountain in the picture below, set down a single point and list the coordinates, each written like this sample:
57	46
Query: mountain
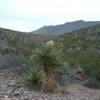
14	41
28	36
82	39
64	28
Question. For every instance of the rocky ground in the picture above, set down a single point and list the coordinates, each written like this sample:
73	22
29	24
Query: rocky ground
12	88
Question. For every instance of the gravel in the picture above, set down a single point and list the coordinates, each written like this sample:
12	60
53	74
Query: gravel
13	88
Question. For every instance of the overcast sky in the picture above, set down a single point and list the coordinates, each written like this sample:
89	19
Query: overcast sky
29	15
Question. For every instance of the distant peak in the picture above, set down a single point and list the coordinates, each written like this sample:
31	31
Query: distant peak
77	21
44	26
80	21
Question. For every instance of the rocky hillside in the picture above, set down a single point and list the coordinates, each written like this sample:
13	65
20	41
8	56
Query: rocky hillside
64	28
86	38
26	36
15	46
15	39
82	48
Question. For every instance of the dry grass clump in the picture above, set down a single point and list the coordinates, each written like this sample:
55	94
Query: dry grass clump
48	82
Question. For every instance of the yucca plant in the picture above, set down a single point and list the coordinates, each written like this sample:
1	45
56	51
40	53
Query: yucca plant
49	57
42	64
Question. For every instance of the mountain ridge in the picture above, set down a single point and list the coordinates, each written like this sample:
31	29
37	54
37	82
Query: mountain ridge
49	32
64	28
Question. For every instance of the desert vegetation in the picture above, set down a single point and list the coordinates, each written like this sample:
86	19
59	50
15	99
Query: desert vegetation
47	58
54	64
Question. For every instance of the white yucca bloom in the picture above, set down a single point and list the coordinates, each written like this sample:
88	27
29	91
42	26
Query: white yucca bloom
50	43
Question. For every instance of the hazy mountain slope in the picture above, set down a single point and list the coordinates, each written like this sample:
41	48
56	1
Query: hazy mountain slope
27	36
64	28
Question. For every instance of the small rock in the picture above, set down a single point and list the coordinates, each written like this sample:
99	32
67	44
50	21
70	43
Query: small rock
12	83
17	93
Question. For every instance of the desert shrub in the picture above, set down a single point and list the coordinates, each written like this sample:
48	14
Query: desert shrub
27	52
90	62
31	75
66	74
2	35
14	61
12	43
92	83
8	50
19	62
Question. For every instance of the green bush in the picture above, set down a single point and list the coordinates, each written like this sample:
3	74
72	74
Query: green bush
27	52
8	50
92	83
12	43
90	62
31	75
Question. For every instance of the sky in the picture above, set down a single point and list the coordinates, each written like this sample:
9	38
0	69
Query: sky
29	15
